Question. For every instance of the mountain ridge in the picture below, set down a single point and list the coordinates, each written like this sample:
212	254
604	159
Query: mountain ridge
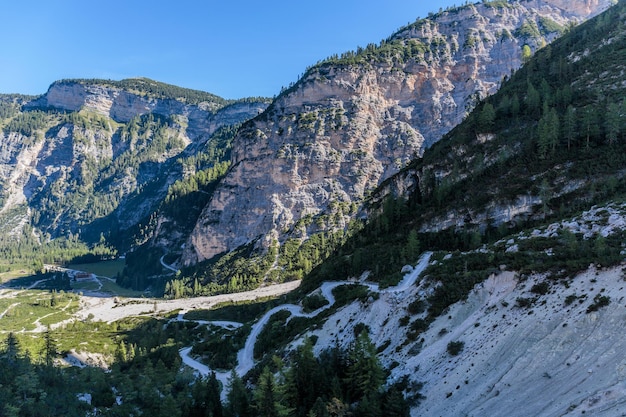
79	137
361	123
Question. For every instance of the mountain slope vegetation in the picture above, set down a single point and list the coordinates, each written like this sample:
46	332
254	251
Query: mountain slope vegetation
508	319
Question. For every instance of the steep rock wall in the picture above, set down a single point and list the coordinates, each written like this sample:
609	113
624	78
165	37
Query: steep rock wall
349	124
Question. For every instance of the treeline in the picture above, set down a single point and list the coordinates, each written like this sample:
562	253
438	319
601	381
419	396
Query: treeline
8	108
559	109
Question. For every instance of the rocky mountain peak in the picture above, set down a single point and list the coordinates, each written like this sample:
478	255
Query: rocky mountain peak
355	120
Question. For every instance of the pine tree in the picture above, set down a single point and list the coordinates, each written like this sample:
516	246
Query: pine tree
265	395
515	106
394	404
486	118
590	124
11	349
214	405
365	375
569	125
238	398
613	123
548	132
50	348
304	383
121	353
412	248
533	101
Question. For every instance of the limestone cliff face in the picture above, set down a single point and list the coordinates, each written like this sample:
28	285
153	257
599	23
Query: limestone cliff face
113	102
122	105
108	145
352	122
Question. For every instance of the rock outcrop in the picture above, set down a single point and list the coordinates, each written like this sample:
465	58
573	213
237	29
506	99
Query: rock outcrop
353	121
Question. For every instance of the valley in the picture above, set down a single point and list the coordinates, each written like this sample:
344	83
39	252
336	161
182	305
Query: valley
431	225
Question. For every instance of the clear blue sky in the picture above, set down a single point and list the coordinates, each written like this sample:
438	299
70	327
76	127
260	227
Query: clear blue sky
230	48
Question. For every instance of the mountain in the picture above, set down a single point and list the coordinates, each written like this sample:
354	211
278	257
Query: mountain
524	204
484	278
96	157
305	165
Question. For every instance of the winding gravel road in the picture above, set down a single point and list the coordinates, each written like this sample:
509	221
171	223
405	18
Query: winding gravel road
245	357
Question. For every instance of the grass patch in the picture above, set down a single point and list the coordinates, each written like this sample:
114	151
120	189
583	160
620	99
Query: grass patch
112	288
24	311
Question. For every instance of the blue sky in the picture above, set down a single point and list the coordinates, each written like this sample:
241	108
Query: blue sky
230	48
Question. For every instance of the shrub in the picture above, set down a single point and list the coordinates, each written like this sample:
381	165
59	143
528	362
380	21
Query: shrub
598	301
416	328
417	307
570	299
454	348
541	288
524	302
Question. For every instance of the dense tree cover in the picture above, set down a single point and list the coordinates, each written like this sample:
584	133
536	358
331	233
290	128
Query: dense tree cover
8	108
29	389
338	382
381	246
181	207
32	252
99	184
27	123
147	378
245	269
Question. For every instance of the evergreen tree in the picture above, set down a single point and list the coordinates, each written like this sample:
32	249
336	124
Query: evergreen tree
515	106
613	123
11	349
214	405
365	375
569	125
265	395
548	132
590	124
394	404
168	407
50	348
238	398
121	353
304	384
412	247
486	118
319	409
533	101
